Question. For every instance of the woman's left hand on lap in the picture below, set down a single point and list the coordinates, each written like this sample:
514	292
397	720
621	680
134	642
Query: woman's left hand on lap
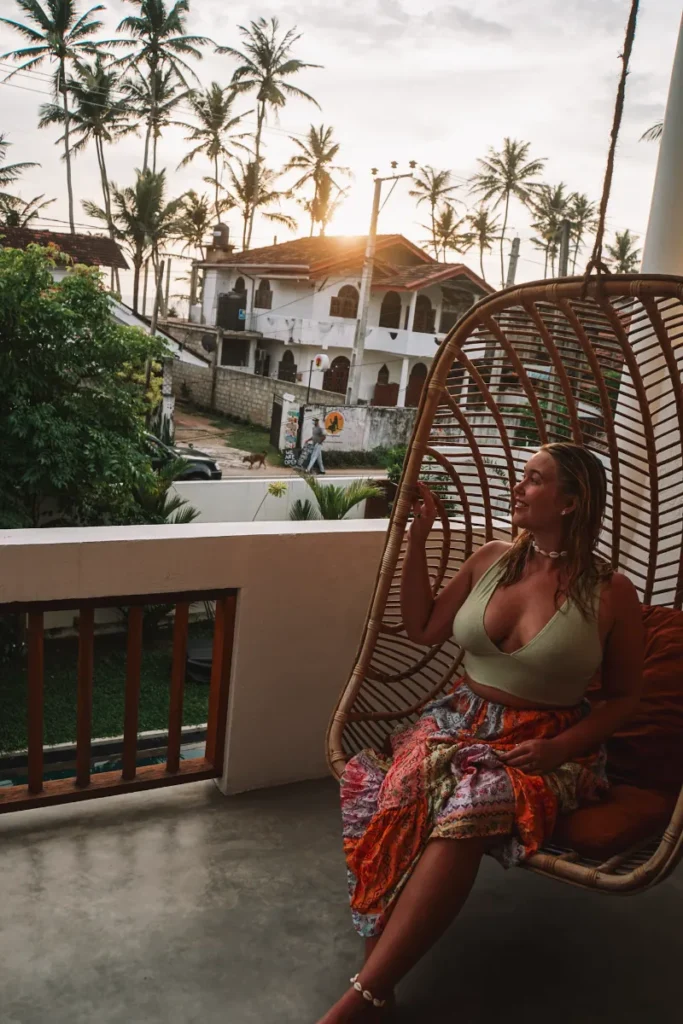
535	757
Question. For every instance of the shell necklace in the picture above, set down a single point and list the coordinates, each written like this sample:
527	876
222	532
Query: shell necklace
549	554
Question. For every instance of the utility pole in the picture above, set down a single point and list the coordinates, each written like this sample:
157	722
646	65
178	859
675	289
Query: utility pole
168	287
353	388
512	265
565	231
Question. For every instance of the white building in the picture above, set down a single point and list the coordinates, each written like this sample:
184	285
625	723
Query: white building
300	298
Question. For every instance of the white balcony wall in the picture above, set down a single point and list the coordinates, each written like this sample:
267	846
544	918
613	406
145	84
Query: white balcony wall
238	501
304	589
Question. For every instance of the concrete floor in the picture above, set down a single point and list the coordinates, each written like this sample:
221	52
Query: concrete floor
186	906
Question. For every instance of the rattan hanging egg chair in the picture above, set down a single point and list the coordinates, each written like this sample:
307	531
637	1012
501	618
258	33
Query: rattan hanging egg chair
595	360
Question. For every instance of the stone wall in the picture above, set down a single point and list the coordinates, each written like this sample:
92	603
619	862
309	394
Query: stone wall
360	428
238	393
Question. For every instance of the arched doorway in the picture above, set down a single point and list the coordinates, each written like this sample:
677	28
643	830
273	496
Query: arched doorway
337	377
345	303
390	311
418	376
424	316
287	368
384	393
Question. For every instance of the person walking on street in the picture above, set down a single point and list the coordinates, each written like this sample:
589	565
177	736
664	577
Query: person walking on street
318	439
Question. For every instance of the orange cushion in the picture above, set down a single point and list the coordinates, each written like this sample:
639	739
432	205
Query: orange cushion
627	816
648	750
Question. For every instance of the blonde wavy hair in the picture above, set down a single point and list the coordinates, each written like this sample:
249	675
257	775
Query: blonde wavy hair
581	476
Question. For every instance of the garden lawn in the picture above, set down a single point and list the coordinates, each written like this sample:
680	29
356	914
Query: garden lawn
61	659
247	437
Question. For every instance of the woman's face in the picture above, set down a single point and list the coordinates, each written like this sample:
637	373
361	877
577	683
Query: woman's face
538	500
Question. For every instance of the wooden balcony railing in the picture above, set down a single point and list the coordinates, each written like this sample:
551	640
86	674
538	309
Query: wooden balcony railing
84	785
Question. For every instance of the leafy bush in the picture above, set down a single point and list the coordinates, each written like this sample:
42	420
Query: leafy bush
377	458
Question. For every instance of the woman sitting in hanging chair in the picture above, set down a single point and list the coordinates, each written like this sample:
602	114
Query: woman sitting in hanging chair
488	767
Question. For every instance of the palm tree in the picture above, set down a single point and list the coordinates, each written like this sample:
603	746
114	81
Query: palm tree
433	187
623	253
333	502
582	217
251	189
323	204
654	133
214	131
315	158
143	220
9	173
486	231
550	205
503	175
60	35
154	95
18	213
447	232
264	65
194	222
99	115
162	44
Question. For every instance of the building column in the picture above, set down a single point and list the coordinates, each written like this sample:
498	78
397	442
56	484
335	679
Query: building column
662	254
663	248
411	314
403	384
251	365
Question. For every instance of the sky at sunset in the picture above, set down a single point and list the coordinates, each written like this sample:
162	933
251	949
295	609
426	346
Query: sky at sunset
426	80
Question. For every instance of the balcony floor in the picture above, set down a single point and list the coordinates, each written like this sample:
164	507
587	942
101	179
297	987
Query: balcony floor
186	906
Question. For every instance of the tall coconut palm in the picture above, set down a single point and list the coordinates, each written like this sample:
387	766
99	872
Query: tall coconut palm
57	33
433	187
623	255
160	44
314	158
9	173
18	213
251	189
195	220
583	220
214	132
143	220
550	205
154	96
324	203
486	231
503	175
447	232
264	65
98	114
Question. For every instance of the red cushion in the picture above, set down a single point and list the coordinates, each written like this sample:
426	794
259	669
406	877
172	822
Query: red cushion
648	750
627	816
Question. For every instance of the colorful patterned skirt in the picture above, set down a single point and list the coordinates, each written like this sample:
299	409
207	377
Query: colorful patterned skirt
444	779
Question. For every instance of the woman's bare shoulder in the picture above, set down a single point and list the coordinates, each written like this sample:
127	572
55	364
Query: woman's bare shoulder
484	557
622	597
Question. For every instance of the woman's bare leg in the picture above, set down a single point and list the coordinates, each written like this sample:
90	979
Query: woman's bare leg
433	896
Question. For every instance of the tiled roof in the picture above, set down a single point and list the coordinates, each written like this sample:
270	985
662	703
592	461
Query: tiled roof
92	250
316	255
421	276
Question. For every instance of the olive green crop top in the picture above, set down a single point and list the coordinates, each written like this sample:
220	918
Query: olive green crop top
555	667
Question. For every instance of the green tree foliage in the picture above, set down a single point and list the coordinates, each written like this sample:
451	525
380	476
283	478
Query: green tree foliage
333	502
72	407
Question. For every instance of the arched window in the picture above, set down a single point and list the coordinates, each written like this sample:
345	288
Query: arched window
384	393
346	303
418	376
390	312
383	375
240	285
424	316
263	296
337	377
287	368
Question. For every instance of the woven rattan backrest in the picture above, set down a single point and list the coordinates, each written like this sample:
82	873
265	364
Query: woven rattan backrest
542	362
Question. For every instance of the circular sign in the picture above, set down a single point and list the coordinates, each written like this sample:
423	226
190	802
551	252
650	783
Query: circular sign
334	422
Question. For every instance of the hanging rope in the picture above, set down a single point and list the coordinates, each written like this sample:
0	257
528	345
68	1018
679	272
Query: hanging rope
595	262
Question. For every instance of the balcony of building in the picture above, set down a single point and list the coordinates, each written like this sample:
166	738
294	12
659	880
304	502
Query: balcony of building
225	899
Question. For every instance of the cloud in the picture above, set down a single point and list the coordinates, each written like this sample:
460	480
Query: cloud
460	19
